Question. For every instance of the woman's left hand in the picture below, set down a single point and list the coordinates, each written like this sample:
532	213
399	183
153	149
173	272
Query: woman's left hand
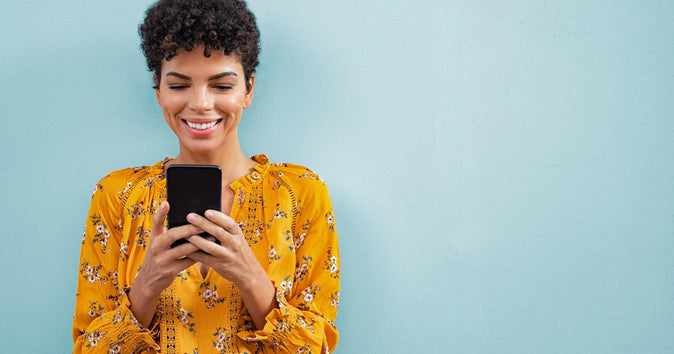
234	260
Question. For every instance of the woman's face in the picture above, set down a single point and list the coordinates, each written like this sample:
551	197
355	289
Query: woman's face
202	99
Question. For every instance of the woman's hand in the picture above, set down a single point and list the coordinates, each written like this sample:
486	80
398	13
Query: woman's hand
161	264
233	260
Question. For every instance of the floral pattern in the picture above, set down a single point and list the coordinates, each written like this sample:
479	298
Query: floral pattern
334	299
95	309
331	265
93	338
92	274
209	294
184	275
299	241
222	337
102	233
330	220
296	238
184	317
136	210
302	269
306	297
273	255
286	285
142	237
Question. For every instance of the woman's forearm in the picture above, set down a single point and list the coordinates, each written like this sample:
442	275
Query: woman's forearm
259	297
143	305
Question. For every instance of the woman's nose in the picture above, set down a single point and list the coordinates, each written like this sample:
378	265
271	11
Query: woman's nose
201	100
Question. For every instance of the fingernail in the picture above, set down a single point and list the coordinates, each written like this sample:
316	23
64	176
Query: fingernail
191	217
208	213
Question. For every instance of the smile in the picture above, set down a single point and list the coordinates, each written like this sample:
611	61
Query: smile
202	126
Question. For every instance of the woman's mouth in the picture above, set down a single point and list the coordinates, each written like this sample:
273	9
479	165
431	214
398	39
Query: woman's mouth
202	126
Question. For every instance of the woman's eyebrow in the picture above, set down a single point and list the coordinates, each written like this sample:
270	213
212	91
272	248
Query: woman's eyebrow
212	77
178	75
223	74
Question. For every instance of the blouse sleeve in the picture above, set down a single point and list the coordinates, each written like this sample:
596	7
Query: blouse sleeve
307	302
103	321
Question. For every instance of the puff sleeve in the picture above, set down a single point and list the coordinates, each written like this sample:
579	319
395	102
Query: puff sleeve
308	299
103	321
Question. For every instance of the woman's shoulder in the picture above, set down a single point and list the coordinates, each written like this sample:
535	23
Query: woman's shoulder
123	179
305	186
297	177
295	172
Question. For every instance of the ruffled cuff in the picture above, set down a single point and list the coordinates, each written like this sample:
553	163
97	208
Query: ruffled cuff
119	331
288	328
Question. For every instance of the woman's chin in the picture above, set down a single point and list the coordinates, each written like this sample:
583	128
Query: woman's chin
200	148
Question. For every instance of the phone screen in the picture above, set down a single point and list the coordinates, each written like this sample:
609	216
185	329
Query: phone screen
192	189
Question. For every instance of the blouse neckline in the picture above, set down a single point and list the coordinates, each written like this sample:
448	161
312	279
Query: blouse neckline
252	178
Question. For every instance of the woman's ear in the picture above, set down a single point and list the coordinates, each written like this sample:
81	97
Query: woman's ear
156	87
249	94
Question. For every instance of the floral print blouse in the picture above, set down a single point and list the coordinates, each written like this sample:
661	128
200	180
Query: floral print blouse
285	213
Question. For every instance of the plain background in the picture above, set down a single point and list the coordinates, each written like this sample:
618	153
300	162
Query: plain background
502	171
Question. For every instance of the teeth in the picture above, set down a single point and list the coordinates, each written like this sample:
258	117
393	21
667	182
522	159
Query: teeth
203	126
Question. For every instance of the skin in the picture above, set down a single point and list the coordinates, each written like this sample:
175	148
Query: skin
201	90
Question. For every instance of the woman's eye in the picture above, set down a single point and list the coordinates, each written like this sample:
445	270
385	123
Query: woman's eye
223	87
177	87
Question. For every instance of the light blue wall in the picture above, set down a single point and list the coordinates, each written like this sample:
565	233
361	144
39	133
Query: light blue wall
502	172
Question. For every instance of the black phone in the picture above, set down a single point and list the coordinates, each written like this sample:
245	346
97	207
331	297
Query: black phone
192	189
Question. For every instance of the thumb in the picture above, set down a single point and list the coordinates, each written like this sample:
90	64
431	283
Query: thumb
159	217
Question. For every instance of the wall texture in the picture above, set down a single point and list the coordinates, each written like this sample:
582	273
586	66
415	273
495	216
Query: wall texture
502	172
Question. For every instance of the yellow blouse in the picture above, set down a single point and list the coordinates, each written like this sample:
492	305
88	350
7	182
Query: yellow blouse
285	213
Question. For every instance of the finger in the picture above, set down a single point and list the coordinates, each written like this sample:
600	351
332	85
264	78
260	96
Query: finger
184	231
182	250
207	246
202	257
182	264
176	233
212	228
225	221
207	259
159	217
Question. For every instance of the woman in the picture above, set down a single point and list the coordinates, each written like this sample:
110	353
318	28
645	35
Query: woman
272	282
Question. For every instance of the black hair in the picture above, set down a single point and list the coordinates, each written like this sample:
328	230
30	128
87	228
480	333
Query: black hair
224	25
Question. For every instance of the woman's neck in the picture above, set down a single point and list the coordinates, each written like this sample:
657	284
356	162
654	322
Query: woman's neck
232	161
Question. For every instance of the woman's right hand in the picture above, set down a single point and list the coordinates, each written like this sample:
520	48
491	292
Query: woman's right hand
161	265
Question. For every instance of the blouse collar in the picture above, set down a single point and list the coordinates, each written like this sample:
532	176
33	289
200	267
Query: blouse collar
254	177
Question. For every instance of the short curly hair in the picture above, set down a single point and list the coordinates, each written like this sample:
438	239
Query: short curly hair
225	25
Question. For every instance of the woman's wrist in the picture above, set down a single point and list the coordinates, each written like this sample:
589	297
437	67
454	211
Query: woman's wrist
142	305
258	295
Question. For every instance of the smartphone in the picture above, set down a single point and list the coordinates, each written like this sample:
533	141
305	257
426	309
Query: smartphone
192	189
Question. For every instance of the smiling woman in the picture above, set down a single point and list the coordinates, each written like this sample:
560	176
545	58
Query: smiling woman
271	281
203	99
